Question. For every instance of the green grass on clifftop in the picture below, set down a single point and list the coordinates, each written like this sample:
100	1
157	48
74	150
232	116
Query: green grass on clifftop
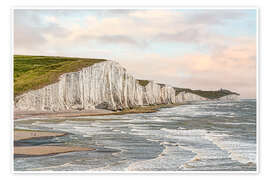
34	72
143	82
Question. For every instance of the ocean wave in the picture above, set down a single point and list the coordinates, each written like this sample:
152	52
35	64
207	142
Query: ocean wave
171	158
242	152
226	148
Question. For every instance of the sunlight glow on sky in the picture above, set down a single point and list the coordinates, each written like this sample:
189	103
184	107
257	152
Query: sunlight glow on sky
198	49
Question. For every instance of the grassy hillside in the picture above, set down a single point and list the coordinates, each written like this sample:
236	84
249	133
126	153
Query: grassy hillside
34	72
206	94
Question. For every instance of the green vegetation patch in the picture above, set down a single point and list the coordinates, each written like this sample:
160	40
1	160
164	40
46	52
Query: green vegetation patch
178	90
161	85
207	94
35	72
143	82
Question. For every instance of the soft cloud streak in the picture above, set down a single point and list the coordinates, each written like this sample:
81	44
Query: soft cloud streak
148	43
232	68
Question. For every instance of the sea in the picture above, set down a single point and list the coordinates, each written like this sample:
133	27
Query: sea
198	136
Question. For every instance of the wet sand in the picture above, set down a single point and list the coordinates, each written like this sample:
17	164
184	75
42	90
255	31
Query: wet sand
95	112
46	150
47	114
29	134
42	150
50	150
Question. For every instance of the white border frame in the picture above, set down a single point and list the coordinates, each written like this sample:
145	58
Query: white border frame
258	90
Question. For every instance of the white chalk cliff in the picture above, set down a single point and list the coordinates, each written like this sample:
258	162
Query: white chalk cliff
229	97
103	85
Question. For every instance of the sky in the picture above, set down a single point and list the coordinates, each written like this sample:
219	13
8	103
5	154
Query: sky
204	49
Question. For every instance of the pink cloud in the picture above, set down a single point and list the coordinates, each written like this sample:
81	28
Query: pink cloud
233	67
228	62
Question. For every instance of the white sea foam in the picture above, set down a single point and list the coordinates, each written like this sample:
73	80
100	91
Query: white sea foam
242	152
169	159
136	135
239	151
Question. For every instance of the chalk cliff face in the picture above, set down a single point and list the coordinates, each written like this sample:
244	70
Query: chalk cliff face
183	96
103	85
229	97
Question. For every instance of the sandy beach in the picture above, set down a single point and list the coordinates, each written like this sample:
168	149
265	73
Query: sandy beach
46	150
29	134
95	112
42	150
47	114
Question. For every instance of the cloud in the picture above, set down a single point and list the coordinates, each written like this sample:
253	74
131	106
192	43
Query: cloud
133	27
233	67
177	47
31	33
187	36
122	40
27	37
214	17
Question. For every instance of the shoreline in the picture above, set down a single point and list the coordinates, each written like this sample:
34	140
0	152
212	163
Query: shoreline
29	150
41	150
21	134
96	112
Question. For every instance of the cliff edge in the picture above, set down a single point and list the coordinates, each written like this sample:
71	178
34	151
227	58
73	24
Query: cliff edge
105	85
